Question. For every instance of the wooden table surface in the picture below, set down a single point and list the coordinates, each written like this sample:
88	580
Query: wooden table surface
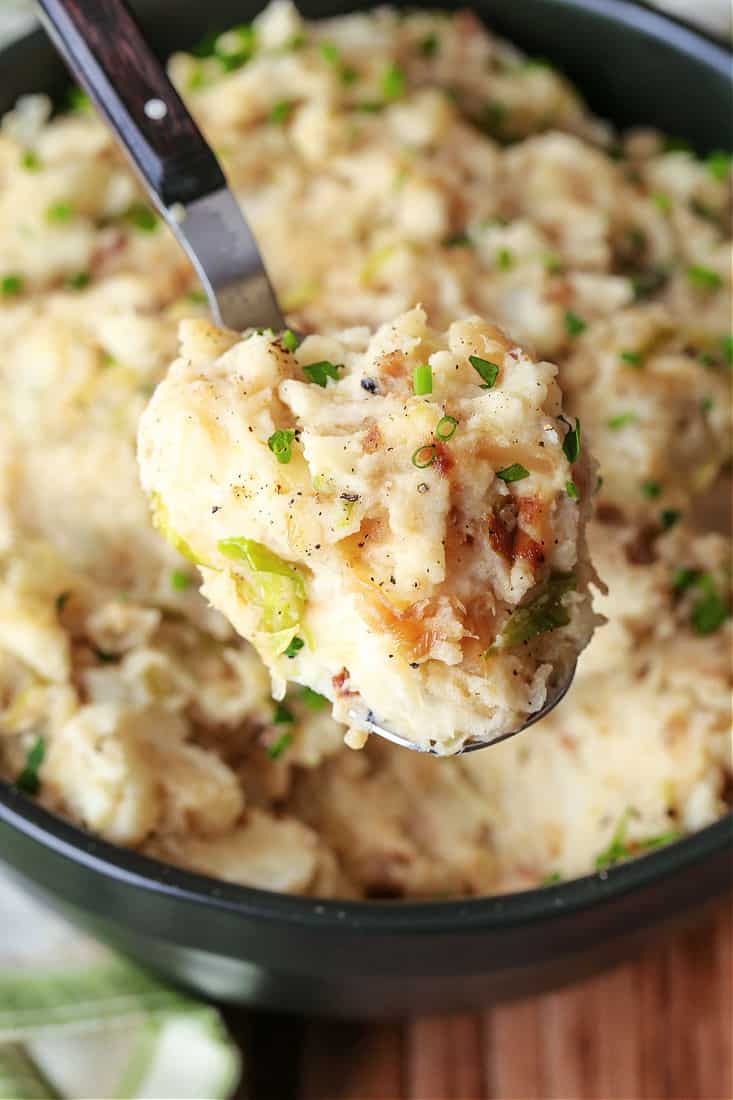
658	1028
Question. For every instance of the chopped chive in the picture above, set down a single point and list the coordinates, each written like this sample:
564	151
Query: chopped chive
369	107
321	372
295	647
61	601
446	428
574	325
28	781
10	285
651	489
633	358
78	281
684	579
30	161
636	237
668	518
676	145
179	580
329	52
393	82
621	420
296	42
235	48
493	118
504	259
710	611
515	472
280	443
422	380
142	217
281	112
457	240
282	715
59	212
348	74
424	456
707	359
551	878
197	296
278	747
312	699
289	340
572	490
727	346
571	442
487	370
661	201
429	45
718	164
703	277
706	404
78	100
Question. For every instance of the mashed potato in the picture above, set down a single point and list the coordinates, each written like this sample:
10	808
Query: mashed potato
384	161
396	521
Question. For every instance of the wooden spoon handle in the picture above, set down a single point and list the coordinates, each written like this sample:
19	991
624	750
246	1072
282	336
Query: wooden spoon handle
104	47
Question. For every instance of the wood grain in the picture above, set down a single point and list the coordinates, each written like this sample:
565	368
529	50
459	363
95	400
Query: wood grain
658	1028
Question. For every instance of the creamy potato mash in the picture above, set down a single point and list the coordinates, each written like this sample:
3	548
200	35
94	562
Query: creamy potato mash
395	520
383	161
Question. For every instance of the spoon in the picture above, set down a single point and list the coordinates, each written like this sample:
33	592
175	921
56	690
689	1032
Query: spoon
103	45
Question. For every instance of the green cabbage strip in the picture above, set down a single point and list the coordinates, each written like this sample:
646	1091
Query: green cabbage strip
271	584
161	524
545	612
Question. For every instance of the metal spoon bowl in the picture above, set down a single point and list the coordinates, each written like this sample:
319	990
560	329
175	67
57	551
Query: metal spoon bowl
102	44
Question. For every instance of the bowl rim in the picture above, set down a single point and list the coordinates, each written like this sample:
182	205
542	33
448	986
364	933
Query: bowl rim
491	912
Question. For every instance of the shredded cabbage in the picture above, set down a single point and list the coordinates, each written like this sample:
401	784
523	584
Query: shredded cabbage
272	584
161	524
545	612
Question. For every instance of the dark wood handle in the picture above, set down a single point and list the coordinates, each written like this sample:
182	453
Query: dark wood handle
104	47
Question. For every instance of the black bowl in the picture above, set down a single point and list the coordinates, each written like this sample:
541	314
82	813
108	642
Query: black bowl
381	958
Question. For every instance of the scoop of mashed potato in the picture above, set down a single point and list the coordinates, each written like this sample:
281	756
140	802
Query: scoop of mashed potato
395	520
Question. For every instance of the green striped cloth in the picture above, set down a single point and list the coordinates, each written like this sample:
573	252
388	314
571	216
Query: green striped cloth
98	1026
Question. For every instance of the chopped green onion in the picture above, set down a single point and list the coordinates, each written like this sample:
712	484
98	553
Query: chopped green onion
422	380
668	518
282	715
676	145
278	747
234	48
487	370
718	165
321	372
280	443
504	259
393	82
348	74
312	699
10	285
515	472
706	404
281	112
78	281
59	212
493	119
180	581
289	340
296	42
574	325
636	237
424	456
633	358
661	201
572	490
551	878
651	489
30	161
429	45
446	428
142	217
457	240
571	442
28	781
369	107
703	277
294	647
621	420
